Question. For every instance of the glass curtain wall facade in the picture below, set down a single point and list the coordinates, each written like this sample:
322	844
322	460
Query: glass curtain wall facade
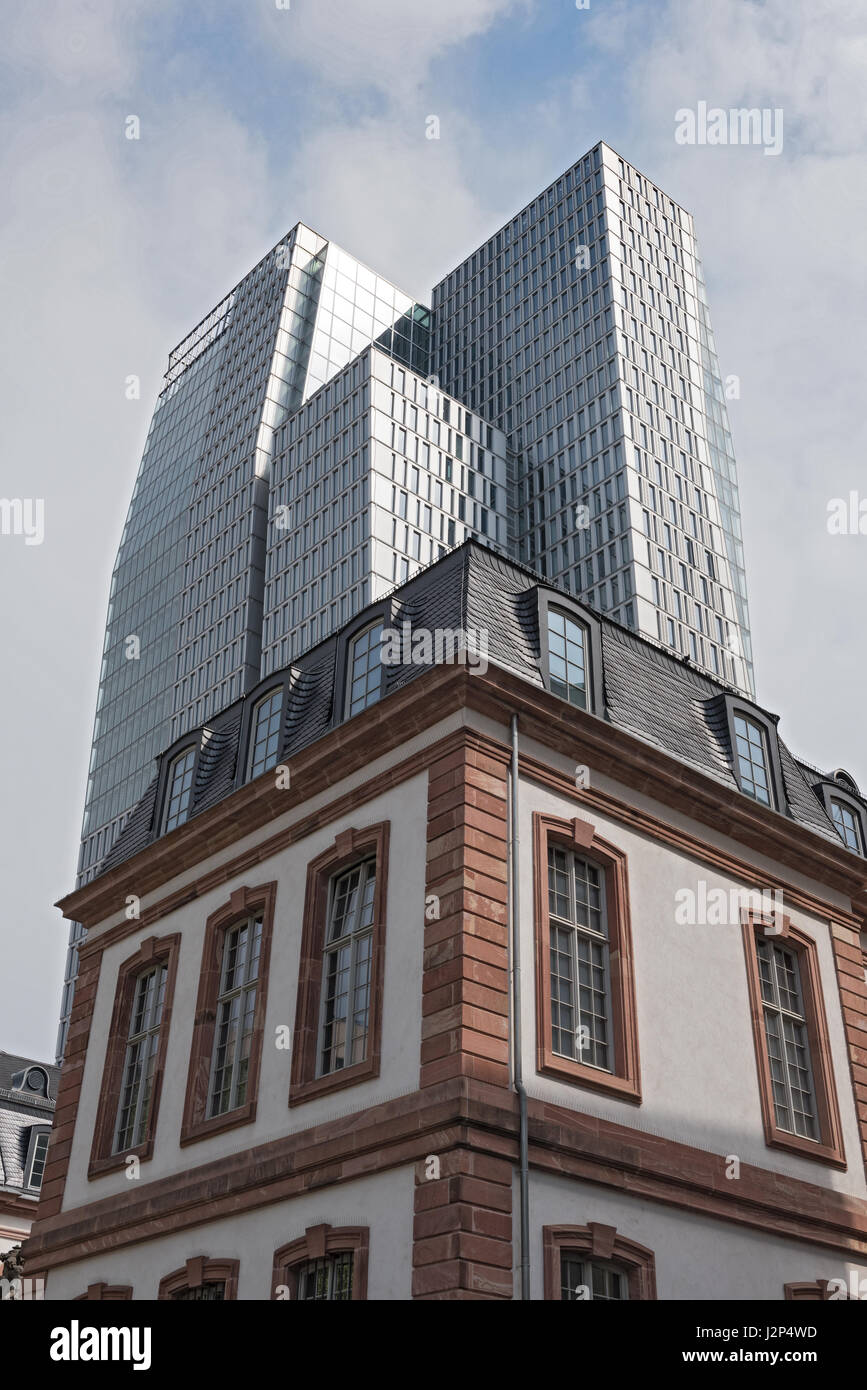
581	329
378	474
184	624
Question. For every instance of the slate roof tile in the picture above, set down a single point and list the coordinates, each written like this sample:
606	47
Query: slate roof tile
648	691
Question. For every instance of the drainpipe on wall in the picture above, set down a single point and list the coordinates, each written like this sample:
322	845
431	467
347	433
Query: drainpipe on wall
518	1065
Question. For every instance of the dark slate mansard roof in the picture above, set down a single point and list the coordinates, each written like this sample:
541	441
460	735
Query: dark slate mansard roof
19	1111
648	691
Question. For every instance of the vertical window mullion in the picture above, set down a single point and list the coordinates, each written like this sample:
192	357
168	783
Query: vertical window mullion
244	951
353	932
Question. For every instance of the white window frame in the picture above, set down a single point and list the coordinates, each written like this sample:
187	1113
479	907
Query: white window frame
837	803
371	696
796	1018
600	938
554	610
186	760
739	716
269	761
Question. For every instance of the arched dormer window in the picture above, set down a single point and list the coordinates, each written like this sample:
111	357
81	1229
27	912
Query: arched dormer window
755	754
568	657
179	789
751	759
570	652
265	726
361	661
364	669
841	799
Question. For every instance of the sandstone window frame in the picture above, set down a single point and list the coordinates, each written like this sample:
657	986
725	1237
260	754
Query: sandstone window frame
196	1123
598	1242
105	1293
624	1079
199	1270
152	952
318	1242
349	848
829	1147
807	1291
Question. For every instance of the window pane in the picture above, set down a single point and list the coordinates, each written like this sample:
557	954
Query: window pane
236	1014
567	658
40	1149
365	671
347	969
579	959
328	1280
752	760
180	788
787	1040
265	748
847	825
205	1293
582	1280
140	1059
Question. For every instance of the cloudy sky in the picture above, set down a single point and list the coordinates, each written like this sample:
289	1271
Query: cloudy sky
254	116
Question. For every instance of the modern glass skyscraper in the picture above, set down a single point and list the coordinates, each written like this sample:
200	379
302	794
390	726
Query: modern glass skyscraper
184	625
581	329
377	474
318	438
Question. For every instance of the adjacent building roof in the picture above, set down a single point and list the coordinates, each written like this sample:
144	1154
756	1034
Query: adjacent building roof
647	690
22	1105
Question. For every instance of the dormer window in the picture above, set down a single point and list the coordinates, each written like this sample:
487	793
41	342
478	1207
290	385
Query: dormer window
37	1149
751	759
755	751
180	787
364	681
570	652
844	806
848	824
567	657
34	1081
265	733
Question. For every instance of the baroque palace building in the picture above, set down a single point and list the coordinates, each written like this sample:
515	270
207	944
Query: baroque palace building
517	957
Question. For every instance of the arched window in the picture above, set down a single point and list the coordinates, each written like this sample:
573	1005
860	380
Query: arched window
202	1280
364	677
751	759
568	658
848	824
327	1265
179	789
265	733
755	752
596	1263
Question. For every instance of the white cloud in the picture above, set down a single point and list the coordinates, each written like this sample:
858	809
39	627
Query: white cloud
388	44
782	246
